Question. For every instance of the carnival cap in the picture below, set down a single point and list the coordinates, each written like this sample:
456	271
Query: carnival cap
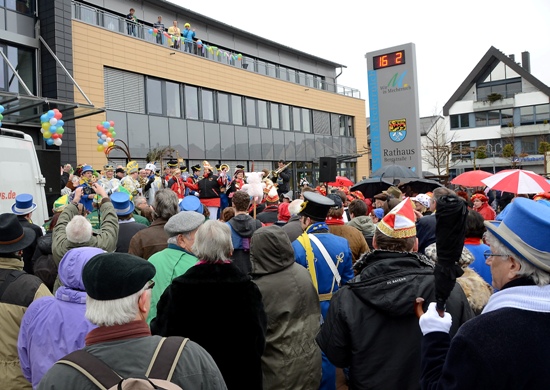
108	167
196	168
151	167
479	196
122	204
23	204
13	236
315	206
206	165
399	222
132	167
191	203
109	276
172	163
87	168
525	230
272	195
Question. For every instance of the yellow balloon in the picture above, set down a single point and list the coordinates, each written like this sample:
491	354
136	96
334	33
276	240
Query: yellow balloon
100	148
47	134
111	143
46	125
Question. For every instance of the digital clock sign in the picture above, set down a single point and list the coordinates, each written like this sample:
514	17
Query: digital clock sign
390	59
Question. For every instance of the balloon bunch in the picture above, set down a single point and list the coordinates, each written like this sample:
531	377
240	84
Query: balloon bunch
105	135
1	116
52	127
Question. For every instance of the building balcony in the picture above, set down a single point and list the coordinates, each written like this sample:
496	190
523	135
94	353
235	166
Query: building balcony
485	105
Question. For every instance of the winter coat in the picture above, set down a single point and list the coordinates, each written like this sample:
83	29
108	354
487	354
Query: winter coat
506	347
371	326
293	228
126	231
170	263
487	212
106	238
221	309
242	227
365	225
476	289
28	252
44	255
292	359
269	215
53	327
425	232
356	241
147	242
15	301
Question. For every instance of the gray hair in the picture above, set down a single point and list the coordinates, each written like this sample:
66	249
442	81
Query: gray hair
295	206
139	200
78	230
165	204
213	242
526	270
115	311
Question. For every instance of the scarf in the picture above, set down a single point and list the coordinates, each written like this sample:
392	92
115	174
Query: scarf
131	330
473	241
335	221
531	298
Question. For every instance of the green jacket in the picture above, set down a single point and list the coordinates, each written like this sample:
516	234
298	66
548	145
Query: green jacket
169	263
93	217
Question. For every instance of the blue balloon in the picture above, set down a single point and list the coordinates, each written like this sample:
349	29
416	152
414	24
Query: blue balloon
53	129
100	141
106	124
1	108
99	133
49	141
150	31
60	123
51	114
44	118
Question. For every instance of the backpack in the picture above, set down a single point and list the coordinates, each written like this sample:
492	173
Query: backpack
158	375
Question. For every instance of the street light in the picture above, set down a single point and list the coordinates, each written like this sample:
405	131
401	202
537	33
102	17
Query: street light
493	149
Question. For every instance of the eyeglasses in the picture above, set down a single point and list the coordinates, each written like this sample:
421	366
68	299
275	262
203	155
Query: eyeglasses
150	285
488	254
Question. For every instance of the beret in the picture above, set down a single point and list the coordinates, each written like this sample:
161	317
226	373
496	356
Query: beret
109	276
183	222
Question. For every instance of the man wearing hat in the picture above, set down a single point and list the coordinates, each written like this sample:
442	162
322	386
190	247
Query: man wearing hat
178	257
119	298
327	257
130	181
23	208
168	173
191	184
210	189
127	225
270	213
371	326
238	181
108	181
17	291
120	172
506	347
154	183
88	193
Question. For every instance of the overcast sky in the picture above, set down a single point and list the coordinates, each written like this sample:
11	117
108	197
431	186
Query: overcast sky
450	36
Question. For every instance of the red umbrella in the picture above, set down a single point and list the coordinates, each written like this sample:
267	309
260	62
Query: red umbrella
341	181
471	179
517	181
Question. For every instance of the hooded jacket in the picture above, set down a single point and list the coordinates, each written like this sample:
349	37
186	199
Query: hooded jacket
365	225
292	359
53	327
242	226
371	326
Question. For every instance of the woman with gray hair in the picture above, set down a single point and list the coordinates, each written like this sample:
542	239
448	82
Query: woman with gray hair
215	295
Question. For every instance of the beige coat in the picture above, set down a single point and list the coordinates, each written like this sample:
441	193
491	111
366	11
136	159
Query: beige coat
356	240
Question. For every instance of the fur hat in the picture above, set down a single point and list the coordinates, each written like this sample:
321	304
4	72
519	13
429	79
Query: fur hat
272	195
466	258
109	276
400	221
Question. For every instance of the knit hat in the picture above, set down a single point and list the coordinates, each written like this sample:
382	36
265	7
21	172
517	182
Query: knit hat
479	196
183	222
132	167
399	222
206	165
315	206
337	201
272	195
109	276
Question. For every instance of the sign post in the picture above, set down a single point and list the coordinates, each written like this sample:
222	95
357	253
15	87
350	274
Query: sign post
393	104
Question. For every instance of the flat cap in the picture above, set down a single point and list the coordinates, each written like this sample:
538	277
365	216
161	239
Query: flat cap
109	276
183	222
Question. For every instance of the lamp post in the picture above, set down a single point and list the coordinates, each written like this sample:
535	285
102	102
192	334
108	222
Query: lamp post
493	149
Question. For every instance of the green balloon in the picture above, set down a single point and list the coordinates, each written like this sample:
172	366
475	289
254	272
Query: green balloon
113	133
1	117
60	130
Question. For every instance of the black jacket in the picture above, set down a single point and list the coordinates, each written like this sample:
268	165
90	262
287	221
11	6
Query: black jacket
242	226
283	181
371	325
209	187
28	252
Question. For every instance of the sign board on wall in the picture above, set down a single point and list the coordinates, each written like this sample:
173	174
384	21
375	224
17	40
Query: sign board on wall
393	104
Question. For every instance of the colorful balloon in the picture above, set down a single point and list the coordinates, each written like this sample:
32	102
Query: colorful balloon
53	121
47	134
46	125
55	135
53	129
112	123
51	114
60	123
99	127
113	133
100	148
60	130
49	141
57	142
1	109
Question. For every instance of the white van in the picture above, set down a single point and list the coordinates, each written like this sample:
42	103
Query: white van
20	173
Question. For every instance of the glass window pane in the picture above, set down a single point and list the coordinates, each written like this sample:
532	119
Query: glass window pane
302	78
507	116
542	113
350	132
261	67
285	117
464	120
455	124
513	88
223	107
207	105
283	73
173	103
527	115
494	118
296	120
481	119
236	110
191	102
154	96
342	123
275	116
482	93
23	61
291	75
306	120
251	119
271	70
262	114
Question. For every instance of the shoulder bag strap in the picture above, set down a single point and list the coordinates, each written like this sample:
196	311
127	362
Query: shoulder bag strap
327	257
166	357
310	258
93	368
12	277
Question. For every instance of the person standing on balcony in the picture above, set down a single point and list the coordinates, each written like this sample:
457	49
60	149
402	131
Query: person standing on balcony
131	22
160	30
188	36
175	34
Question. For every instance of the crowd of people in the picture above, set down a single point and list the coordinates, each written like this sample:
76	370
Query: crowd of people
196	280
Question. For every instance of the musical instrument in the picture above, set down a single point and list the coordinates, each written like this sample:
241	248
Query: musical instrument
275	173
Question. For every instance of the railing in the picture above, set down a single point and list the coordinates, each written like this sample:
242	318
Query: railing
118	24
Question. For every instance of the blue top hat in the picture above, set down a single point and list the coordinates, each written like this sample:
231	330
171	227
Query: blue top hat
122	204
191	203
525	230
23	204
87	168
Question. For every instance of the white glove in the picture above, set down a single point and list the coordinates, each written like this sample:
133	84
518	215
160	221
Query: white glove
432	322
